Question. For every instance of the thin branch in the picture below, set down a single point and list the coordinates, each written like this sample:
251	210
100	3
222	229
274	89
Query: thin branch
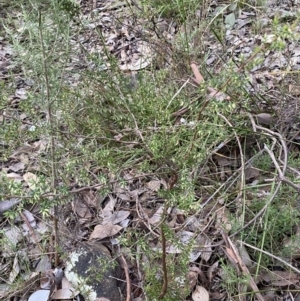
234	256
281	175
128	283
241	154
175	95
282	172
271	255
230	181
52	142
25	219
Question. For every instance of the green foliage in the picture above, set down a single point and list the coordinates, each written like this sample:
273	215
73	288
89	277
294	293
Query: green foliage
233	280
104	124
70	7
279	221
177	9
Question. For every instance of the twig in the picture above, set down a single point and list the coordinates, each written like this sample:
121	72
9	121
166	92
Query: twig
233	256
18	119
185	83
25	219
281	175
143	216
282	172
225	184
128	283
282	142
138	249
241	154
271	255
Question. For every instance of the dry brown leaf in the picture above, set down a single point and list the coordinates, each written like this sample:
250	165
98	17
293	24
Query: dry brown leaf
270	295
192	278
44	264
292	243
40	295
64	294
31	179
218	295
15	270
218	95
201	274
251	174
47	280
245	256
204	246
264	118
14	176
294	90
198	77
8	204
200	294
212	271
30	219
14	235
154	185
103	231
233	255
124	197
81	209
222	161
280	278
17	166
222	216
110	205
156	218
116	217
91	199
40	145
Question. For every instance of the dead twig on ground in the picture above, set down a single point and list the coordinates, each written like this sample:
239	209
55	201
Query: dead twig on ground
233	255
128	283
284	148
241	154
271	255
280	172
25	219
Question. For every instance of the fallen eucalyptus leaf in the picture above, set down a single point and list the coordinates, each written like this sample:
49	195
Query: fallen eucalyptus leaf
103	231
264	119
200	294
40	295
230	20
8	204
